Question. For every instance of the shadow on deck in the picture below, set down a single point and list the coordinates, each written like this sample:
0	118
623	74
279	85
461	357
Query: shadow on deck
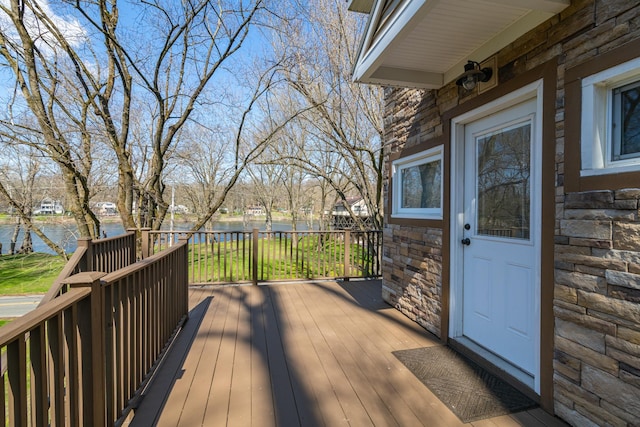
312	354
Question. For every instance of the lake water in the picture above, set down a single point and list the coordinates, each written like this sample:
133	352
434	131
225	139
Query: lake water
66	234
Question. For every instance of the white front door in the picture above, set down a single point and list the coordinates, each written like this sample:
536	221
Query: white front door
501	236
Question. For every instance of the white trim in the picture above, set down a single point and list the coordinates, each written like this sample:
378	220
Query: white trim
596	119
408	15
427	156
533	90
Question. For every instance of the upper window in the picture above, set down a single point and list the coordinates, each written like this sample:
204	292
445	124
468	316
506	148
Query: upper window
610	134
417	185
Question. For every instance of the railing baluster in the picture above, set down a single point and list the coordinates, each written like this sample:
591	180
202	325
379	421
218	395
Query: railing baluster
254	258
56	369
3	396
17	375
205	237
219	255
111	358
39	377
73	405
347	254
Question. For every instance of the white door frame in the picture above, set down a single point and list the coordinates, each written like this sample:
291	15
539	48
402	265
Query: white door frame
532	90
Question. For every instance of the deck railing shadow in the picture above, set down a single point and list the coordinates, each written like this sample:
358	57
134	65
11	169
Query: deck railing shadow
291	401
171	369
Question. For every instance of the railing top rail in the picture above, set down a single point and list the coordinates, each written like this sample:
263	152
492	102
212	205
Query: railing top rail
67	271
123	272
75	260
111	239
260	231
27	322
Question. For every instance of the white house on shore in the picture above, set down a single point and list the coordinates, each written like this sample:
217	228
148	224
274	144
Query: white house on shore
106	208
49	207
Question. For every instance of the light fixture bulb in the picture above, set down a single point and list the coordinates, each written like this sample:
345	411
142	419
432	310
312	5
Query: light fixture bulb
469	82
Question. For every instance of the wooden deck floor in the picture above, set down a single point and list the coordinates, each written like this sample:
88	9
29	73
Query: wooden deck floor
297	355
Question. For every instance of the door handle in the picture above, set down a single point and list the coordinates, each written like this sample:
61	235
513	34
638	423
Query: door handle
466	241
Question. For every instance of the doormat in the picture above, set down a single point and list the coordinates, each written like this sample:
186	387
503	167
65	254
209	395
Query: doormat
468	390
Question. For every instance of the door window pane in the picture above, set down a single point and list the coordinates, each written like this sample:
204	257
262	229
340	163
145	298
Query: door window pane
503	182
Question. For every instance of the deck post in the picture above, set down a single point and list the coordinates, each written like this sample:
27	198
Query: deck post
145	244
254	260
347	254
91	329
136	242
184	269
87	261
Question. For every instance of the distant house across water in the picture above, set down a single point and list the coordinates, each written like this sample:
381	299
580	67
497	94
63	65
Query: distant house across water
254	210
49	207
106	208
340	216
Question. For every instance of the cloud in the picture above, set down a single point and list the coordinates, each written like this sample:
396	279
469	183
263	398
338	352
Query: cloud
67	26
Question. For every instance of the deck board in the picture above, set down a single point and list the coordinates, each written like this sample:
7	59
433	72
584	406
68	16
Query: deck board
297	354
261	395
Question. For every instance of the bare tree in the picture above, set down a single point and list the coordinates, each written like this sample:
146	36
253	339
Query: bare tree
267	179
343	130
131	83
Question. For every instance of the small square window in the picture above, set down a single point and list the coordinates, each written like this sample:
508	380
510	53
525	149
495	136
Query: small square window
610	130
417	185
626	122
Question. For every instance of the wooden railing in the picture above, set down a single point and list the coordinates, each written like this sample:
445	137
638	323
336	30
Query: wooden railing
260	256
83	358
104	255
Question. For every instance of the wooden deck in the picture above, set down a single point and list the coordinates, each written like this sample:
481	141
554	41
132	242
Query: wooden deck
298	355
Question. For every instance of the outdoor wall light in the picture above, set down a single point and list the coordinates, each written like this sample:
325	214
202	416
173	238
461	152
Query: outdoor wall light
473	74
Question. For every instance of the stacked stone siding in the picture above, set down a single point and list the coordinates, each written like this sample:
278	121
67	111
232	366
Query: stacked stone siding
412	256
597	309
412	273
596	362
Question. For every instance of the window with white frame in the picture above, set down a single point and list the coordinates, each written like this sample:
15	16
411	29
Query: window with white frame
417	185
610	130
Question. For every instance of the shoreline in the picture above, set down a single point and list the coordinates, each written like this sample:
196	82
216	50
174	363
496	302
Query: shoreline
182	219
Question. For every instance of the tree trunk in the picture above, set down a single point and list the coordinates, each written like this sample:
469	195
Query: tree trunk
14	237
27	242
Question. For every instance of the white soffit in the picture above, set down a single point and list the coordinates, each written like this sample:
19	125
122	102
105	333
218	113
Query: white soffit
425	43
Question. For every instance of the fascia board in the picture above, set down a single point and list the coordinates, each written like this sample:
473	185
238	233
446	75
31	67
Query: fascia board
409	14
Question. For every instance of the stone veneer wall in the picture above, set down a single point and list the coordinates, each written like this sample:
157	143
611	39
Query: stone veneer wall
597	309
412	256
412	274
597	249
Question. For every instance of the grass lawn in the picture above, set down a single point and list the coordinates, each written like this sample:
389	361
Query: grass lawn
4	322
28	274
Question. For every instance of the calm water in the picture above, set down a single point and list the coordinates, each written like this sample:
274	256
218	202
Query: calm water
65	234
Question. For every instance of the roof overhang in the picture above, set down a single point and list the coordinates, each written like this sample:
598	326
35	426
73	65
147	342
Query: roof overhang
425	43
362	6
